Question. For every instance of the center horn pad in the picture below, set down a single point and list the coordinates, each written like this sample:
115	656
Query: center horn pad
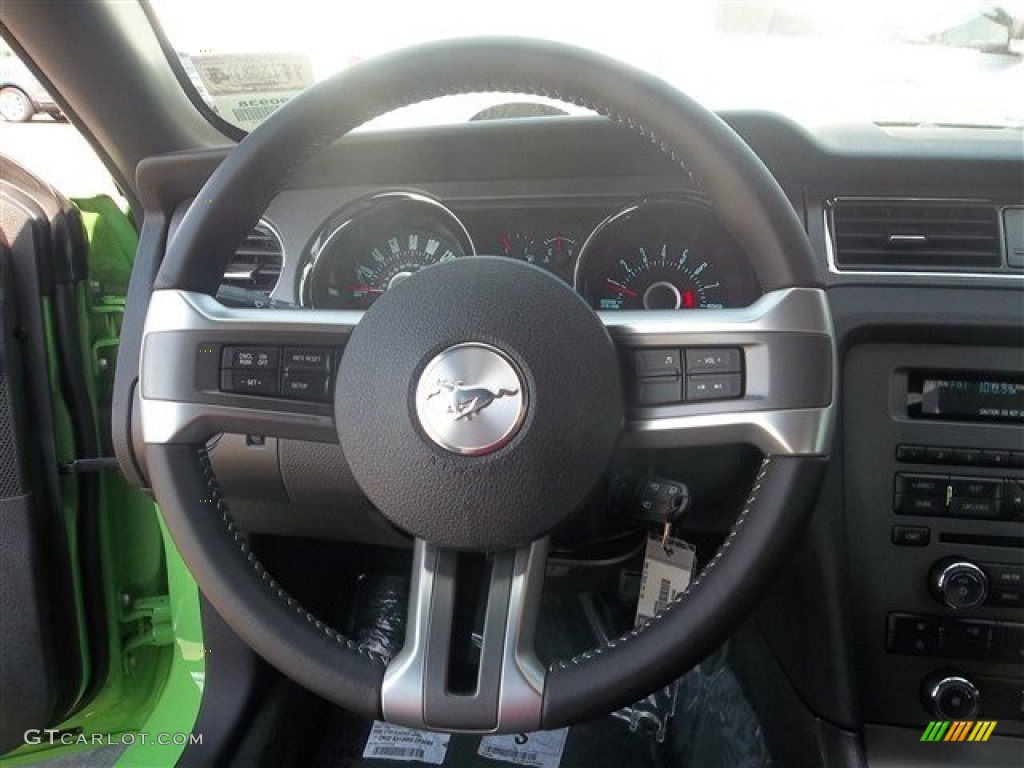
478	403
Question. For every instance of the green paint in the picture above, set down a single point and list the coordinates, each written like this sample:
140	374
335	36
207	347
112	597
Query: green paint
157	668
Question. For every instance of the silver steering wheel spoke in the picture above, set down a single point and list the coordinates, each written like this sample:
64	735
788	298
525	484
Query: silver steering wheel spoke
761	374
509	688
207	368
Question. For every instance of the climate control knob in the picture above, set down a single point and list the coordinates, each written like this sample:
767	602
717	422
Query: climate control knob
950	696
958	584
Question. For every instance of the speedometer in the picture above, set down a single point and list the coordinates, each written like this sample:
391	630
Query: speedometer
374	245
663	253
389	262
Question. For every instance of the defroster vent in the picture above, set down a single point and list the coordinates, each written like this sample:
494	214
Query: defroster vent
900	235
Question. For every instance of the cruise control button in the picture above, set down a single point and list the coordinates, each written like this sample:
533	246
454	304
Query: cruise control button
713	360
300	385
250	358
714	386
658	362
249	382
307	359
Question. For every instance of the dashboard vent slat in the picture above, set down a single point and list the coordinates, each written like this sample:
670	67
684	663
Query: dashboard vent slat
256	265
895	235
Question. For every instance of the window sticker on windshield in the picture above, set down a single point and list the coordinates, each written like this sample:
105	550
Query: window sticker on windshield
246	88
540	749
407	745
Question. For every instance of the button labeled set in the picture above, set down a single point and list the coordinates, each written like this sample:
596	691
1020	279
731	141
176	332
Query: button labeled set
295	373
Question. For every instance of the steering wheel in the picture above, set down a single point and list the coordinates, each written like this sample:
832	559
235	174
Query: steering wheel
468	422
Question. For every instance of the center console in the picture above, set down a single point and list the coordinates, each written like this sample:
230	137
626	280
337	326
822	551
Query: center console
934	491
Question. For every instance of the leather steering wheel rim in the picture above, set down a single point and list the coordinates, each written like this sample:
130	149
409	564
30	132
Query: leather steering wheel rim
751	205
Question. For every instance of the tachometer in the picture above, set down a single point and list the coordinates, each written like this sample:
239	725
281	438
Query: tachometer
659	277
371	246
664	252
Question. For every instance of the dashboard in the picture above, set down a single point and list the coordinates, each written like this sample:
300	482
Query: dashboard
862	633
662	251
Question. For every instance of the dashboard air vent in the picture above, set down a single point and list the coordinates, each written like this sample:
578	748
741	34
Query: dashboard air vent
896	235
256	265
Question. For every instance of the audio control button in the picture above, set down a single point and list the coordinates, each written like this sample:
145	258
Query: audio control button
976	487
912	504
951	697
922	485
982	509
959	584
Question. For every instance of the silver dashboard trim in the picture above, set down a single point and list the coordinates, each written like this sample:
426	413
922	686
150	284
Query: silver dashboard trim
788	310
178	310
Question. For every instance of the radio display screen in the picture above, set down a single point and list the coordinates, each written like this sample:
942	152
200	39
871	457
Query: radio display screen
972	399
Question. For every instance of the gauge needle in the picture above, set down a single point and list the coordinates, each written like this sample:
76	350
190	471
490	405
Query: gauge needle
620	287
365	289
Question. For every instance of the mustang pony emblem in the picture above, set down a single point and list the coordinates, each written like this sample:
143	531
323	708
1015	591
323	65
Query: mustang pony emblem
467	402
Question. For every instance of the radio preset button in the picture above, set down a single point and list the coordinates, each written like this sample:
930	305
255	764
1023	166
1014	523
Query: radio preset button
937	455
910	454
995	458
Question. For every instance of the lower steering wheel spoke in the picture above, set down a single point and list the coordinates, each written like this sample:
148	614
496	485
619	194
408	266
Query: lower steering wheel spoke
761	374
449	676
207	368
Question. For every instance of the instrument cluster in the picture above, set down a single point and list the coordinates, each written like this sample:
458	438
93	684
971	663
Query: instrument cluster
666	251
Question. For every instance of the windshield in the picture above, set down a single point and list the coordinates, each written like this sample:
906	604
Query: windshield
900	62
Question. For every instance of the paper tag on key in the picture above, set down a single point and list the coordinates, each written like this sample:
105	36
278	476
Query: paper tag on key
668	567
